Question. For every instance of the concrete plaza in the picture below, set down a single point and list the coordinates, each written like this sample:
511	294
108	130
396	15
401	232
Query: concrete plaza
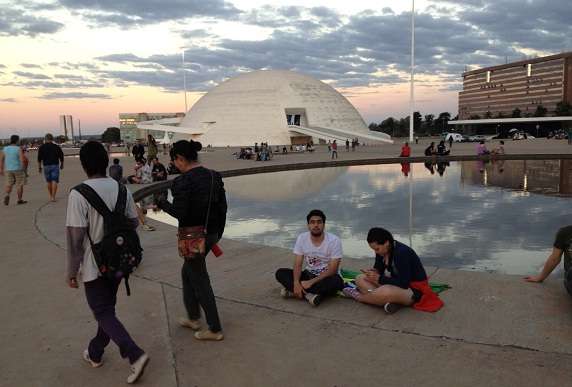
495	330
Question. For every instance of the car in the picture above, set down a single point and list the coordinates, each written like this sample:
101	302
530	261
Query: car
457	137
478	138
522	136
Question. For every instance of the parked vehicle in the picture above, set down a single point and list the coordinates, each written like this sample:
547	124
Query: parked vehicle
457	137
522	136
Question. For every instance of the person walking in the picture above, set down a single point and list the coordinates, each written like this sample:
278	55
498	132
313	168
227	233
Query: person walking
12	164
334	150
84	228
199	204
51	157
152	149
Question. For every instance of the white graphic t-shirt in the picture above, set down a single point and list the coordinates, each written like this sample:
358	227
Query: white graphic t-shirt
317	258
81	214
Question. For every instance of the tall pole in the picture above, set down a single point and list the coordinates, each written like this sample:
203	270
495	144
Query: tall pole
79	128
412	92
185	81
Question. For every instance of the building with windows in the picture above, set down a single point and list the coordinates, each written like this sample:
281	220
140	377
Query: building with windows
525	95
128	125
496	92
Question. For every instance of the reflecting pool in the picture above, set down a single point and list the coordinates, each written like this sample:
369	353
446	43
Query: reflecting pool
499	217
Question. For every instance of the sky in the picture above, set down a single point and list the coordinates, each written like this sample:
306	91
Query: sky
96	58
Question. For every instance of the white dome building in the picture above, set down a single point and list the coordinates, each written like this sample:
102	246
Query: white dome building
274	106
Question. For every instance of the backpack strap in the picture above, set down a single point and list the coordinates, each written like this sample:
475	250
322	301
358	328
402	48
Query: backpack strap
93	199
121	199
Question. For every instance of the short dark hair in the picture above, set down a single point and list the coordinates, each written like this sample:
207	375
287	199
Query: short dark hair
115	161
14	139
316	213
502	142
187	149
49	137
379	235
94	158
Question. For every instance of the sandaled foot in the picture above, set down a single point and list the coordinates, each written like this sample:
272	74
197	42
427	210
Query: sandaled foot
195	325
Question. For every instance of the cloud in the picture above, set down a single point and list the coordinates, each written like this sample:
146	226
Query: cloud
2	66
14	22
28	75
144	12
74	95
8	100
30	65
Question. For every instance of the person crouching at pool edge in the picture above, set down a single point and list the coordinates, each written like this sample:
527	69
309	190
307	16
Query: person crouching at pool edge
397	278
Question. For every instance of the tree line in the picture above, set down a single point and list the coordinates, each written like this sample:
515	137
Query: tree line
426	125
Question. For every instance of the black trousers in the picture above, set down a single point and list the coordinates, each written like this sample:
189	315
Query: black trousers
197	290
328	286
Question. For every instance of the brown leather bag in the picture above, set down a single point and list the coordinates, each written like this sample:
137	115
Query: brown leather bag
192	241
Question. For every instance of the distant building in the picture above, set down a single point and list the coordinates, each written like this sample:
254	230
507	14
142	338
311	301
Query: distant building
496	99
66	126
128	125
495	92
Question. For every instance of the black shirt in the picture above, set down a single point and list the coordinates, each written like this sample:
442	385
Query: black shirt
50	154
191	192
159	172
404	267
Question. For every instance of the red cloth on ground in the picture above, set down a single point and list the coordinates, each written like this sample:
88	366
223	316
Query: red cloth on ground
430	301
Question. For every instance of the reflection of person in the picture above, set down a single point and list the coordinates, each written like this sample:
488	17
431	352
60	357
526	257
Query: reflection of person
321	253
405	150
405	169
192	191
562	243
441	166
405	283
499	150
430	166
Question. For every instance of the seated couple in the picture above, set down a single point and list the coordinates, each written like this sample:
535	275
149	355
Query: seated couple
397	278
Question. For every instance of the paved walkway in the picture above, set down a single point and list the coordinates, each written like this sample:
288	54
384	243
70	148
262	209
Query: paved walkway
494	329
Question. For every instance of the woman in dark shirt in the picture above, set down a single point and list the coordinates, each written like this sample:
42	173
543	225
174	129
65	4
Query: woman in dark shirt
191	192
396	279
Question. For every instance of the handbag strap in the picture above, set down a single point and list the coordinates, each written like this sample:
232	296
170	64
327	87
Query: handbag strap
210	201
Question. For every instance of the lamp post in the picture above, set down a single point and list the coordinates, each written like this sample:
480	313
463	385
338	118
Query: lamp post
412	91
184	81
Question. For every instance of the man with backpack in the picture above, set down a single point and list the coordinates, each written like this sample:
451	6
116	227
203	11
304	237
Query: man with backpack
101	238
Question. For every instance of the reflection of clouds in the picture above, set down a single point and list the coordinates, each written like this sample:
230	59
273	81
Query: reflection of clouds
455	225
285	185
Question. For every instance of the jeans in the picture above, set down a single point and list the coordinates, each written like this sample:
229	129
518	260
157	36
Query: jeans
326	287
101	296
197	290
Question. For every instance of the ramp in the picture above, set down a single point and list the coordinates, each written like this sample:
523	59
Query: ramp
340	134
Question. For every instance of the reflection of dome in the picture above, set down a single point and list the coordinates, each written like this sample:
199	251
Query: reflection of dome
281	185
273	106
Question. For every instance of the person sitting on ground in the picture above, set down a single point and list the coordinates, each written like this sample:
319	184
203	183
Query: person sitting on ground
442	149
116	171
562	243
284	150
499	150
430	150
405	283
405	150
158	172
321	253
482	149
136	178
147	172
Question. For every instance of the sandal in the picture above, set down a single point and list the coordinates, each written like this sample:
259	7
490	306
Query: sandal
22	202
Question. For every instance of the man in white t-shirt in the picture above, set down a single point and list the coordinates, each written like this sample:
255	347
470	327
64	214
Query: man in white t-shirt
82	222
321	254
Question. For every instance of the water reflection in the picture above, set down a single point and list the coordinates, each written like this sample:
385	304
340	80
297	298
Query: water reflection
475	216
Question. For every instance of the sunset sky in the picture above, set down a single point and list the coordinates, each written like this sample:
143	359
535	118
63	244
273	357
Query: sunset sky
96	58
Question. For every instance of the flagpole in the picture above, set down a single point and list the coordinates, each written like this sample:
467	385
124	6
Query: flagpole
184	81
412	91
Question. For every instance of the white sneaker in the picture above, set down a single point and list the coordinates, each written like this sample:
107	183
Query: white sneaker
92	363
313	299
209	335
285	293
137	368
391	308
